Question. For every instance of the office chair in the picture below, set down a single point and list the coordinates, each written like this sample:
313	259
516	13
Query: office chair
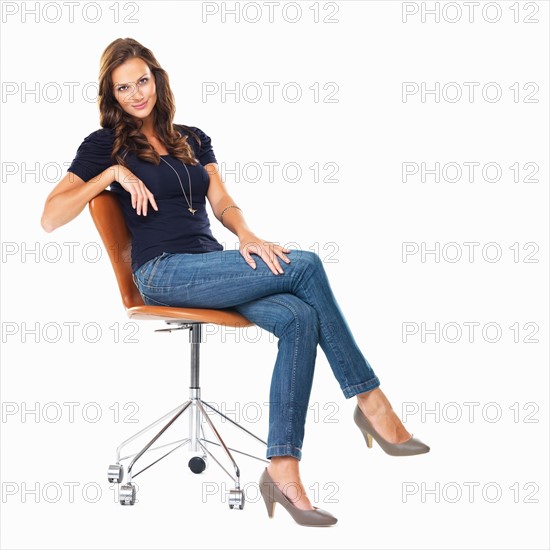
109	221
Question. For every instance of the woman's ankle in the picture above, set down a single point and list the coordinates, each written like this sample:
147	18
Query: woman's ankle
374	402
284	470
283	464
377	408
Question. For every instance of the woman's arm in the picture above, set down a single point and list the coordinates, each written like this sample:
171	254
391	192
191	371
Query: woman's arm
72	193
234	220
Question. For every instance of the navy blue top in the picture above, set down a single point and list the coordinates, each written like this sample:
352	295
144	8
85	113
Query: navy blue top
172	228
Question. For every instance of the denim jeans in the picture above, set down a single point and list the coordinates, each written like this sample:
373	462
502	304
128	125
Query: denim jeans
298	307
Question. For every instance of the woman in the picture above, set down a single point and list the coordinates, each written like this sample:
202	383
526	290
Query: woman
163	174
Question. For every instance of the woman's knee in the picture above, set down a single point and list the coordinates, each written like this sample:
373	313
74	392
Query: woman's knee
295	314
305	318
307	260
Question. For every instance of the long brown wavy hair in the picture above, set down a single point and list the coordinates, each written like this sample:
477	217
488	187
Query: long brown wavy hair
127	129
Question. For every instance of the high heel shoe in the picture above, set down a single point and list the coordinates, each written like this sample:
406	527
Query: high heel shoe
412	446
272	494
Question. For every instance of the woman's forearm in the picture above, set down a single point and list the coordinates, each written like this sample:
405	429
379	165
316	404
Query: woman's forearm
63	206
233	219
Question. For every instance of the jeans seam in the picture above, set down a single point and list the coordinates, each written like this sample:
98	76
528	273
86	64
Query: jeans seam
199	281
156	301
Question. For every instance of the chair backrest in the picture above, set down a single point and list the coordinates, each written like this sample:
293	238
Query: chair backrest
110	223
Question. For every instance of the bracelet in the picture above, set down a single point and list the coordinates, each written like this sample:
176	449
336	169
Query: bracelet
227	208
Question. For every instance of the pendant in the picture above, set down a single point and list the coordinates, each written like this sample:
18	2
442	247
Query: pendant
192	210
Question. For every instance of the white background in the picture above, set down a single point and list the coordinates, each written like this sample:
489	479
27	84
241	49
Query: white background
364	217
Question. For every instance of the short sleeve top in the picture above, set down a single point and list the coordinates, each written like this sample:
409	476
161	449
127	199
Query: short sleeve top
173	228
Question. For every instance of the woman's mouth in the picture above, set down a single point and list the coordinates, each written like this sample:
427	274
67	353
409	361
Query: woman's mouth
140	105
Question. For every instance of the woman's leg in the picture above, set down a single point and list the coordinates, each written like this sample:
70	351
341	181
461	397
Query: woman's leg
296	325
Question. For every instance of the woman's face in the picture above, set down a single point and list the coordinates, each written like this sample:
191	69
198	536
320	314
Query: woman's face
134	87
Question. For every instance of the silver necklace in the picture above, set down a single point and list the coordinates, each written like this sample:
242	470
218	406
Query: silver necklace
189	203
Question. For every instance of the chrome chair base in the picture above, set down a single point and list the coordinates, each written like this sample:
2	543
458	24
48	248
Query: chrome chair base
196	441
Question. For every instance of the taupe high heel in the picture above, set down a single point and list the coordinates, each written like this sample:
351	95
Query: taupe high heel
412	446
272	494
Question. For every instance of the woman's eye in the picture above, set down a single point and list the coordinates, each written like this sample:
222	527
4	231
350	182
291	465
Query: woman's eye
144	80
121	88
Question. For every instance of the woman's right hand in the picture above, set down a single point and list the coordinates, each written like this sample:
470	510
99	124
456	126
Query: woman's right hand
141	196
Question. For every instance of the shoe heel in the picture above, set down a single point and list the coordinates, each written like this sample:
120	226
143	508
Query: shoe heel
368	439
269	503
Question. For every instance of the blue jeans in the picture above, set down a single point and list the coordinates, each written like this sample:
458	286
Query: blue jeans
298	307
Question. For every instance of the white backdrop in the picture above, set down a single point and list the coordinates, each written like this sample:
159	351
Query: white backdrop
415	161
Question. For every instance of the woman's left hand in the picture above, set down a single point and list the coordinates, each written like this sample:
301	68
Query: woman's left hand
268	252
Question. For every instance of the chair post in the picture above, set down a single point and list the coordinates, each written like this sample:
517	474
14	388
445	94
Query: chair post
195	337
195	417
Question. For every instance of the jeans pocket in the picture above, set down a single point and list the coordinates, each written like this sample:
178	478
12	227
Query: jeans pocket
144	271
148	271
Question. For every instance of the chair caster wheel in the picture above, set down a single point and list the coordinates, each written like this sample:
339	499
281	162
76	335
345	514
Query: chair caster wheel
127	494
116	473
236	499
197	464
